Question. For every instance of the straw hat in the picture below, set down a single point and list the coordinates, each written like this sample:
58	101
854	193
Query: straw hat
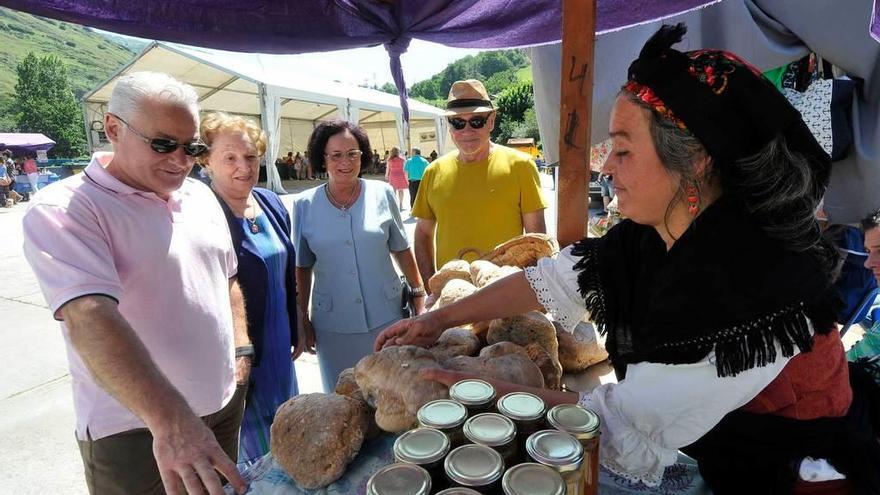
468	96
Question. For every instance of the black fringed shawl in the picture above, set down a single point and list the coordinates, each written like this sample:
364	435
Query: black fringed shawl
724	287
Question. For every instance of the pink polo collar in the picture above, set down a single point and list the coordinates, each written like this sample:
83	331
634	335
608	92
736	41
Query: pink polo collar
96	170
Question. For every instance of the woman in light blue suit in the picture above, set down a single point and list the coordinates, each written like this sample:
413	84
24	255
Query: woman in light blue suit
345	234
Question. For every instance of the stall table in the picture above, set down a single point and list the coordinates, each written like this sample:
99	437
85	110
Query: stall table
22	185
266	477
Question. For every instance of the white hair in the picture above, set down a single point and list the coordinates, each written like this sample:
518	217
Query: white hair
132	89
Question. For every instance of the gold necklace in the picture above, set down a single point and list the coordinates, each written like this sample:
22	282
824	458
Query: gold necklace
351	197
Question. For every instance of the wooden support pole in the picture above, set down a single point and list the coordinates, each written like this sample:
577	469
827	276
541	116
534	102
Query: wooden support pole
576	104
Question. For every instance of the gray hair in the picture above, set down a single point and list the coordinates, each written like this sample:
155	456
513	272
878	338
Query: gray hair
776	184
132	89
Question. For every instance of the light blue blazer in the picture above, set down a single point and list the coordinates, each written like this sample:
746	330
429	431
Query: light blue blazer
356	288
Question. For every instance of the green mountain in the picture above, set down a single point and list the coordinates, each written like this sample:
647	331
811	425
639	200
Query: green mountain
507	75
499	70
90	57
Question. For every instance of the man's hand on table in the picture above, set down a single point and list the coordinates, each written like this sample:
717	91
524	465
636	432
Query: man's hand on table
187	454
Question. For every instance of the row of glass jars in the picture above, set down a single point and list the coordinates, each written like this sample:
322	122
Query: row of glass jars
554	461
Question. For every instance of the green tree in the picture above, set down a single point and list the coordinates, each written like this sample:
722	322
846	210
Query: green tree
425	89
498	82
7	120
43	102
489	63
388	88
512	106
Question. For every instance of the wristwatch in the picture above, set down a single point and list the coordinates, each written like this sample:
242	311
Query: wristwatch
244	350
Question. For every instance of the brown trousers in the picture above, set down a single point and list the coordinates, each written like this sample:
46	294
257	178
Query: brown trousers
123	464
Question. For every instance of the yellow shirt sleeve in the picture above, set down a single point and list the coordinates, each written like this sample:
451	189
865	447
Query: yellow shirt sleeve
531	198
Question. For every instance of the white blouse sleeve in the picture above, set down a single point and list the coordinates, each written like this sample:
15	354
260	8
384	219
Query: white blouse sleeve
660	408
554	281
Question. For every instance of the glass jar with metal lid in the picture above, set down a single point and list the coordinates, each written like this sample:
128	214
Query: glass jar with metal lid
458	490
425	447
495	431
562	452
584	425
477	467
447	416
527	412
476	395
399	479
530	478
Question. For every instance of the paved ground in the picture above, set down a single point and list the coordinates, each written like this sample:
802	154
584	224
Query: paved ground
38	450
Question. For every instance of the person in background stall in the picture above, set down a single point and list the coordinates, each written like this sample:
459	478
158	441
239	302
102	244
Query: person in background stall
289	165
308	169
298	165
346	233
715	294
396	176
135	262
606	182
374	165
5	180
31	171
260	228
432	156
415	169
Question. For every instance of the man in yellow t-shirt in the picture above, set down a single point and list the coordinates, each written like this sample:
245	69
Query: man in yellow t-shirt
478	196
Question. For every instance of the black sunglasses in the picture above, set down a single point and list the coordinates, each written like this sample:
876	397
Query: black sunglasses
476	122
165	145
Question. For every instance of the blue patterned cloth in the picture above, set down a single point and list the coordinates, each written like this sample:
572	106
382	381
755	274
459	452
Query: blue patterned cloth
274	380
267	477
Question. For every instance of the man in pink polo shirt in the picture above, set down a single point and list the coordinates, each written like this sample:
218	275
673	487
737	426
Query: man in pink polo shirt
136	262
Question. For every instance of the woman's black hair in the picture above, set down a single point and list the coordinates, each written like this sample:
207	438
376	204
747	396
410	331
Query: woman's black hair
776	185
325	130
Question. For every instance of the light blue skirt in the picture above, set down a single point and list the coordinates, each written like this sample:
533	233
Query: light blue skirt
338	351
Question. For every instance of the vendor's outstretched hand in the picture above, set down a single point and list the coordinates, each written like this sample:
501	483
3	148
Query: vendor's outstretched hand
420	331
446	377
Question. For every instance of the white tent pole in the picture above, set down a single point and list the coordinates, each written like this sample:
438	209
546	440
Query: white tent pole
354	114
343	109
440	129
401	133
270	120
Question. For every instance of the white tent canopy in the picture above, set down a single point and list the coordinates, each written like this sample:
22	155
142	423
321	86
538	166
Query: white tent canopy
270	89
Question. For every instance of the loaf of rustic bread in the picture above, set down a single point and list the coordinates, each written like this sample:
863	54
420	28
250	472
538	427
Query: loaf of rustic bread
390	382
315	436
453	269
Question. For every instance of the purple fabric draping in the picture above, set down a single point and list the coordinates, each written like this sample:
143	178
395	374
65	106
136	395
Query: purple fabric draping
875	21
299	26
25	142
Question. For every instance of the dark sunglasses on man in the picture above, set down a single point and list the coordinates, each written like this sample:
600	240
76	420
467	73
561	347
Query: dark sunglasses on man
165	145
476	122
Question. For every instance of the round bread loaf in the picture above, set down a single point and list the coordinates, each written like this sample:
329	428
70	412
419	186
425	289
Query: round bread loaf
455	342
315	436
454	290
390	382
453	269
580	348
